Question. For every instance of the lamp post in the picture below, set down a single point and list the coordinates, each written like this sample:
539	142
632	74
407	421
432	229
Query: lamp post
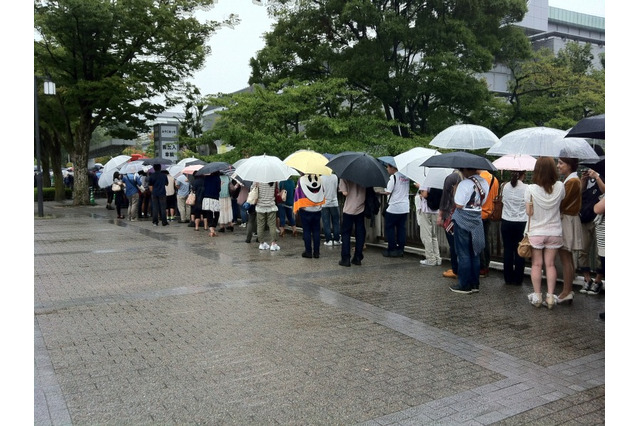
49	89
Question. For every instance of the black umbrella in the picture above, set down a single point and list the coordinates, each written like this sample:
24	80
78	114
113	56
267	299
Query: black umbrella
196	163
216	166
156	160
590	127
360	168
459	160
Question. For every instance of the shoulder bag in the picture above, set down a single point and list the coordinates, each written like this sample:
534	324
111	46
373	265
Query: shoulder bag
191	199
496	213
524	247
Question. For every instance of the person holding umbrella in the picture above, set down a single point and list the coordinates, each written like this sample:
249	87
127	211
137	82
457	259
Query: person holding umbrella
352	216
157	185
395	217
447	206
470	195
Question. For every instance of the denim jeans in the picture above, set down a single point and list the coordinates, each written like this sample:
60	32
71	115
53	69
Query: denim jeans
348	222
512	233
310	230
331	223
468	262
395	229
285	213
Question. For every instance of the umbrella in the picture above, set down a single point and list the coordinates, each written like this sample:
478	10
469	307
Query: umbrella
237	163
106	178
515	162
264	168
156	160
189	170
410	164
465	136
388	160
175	170
308	162
589	127
191	161
132	167
360	168
459	160
214	167
541	142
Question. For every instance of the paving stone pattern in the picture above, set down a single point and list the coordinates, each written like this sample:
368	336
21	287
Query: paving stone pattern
137	324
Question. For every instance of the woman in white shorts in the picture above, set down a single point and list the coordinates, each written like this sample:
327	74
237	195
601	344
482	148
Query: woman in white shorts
543	198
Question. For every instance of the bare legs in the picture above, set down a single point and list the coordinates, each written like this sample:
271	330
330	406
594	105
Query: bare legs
568	272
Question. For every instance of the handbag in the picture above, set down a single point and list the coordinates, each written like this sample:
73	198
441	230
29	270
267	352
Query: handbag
115	187
278	194
496	213
191	199
524	246
252	198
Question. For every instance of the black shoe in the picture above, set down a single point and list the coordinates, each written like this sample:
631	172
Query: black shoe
248	241
316	255
192	224
386	253
458	289
230	228
475	289
356	261
221	230
601	315
595	288
165	223
344	263
306	254
396	253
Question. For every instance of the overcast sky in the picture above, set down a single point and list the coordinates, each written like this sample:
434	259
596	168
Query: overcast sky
227	68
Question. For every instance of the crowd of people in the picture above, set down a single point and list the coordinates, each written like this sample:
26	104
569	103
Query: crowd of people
562	218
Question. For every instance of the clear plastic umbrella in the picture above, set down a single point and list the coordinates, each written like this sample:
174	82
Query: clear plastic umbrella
465	136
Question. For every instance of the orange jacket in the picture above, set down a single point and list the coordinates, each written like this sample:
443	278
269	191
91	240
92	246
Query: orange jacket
494	187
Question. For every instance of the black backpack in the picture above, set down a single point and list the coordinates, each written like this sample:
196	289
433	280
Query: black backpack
433	200
371	203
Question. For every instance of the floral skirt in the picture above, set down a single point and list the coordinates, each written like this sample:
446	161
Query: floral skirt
211	204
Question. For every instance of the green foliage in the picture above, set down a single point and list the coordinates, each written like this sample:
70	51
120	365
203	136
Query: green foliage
49	194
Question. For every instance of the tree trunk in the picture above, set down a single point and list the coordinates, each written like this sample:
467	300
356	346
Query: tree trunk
81	160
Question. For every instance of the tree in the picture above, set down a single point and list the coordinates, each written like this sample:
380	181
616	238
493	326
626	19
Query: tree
111	60
418	60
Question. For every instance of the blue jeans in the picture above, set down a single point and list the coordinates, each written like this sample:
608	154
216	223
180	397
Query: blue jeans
512	233
244	214
310	230
331	223
348	222
286	212
395	229
468	262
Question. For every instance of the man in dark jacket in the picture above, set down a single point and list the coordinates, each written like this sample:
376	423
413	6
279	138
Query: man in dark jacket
157	183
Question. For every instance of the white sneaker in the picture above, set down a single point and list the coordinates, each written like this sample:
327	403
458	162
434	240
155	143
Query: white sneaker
275	247
264	246
535	299
337	243
243	225
328	243
428	262
439	262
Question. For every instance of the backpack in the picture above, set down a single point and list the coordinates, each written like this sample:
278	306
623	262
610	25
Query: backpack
433	199
590	197
371	203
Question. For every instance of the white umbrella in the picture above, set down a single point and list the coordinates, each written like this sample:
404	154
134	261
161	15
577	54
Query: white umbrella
542	142
175	170
410	164
465	136
186	161
132	167
515	162
264	168
106	178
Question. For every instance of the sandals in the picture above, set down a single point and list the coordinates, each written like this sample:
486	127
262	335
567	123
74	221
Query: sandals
213	234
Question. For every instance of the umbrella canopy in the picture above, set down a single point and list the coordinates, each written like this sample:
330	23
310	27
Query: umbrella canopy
106	178
175	170
360	168
190	161
515	162
214	167
132	167
410	164
264	168
589	127
387	159
156	160
541	142
459	160
308	162
465	136
189	170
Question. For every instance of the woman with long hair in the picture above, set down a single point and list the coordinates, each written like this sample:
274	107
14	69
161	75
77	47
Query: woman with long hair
512	225
543	198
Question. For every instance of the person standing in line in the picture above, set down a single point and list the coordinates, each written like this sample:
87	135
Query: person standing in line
512	227
211	202
197	215
427	205
157	186
487	209
184	188
172	199
447	206
145	196
352	217
133	185
571	227
120	197
285	208
543	198
235	188
226	210
266	211
395	217
470	195
330	210
307	203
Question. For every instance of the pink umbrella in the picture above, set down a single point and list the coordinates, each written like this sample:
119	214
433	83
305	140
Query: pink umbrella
190	169
515	162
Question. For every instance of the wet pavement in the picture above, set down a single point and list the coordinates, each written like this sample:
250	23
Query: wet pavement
136	324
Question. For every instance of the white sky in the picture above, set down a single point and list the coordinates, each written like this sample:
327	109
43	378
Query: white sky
227	68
